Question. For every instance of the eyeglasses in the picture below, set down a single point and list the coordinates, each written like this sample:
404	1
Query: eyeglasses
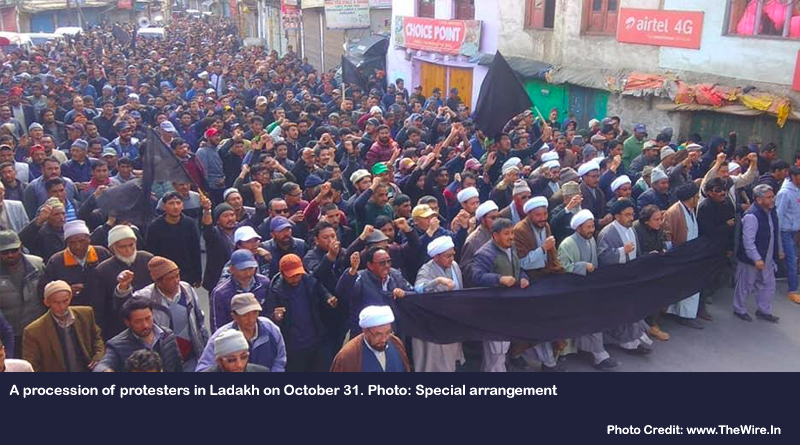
385	263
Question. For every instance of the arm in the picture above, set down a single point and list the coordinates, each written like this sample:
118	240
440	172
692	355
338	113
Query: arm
279	365
360	205
535	259
99	348
109	360
747	178
31	352
749	229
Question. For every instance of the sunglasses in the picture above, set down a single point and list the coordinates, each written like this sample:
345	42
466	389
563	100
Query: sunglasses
282	211
385	263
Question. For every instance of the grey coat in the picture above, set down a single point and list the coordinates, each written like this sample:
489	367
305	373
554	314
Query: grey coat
15	212
18	309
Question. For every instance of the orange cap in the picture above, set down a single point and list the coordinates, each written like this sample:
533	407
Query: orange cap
291	265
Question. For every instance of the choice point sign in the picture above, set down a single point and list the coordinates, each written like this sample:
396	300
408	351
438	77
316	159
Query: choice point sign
680	29
442	36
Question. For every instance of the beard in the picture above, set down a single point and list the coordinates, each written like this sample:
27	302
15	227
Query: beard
126	259
383	141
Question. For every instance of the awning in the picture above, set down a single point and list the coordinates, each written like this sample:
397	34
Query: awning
208	3
524	68
374	45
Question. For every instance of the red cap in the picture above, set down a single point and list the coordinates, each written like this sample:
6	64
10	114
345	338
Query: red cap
291	265
36	148
211	132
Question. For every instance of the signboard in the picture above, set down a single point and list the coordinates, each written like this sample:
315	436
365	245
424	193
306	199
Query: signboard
347	14
233	8
290	15
380	4
679	29
796	82
459	37
312	4
125	4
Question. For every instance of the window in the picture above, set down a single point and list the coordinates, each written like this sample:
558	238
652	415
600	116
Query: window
426	8
540	13
764	18
465	9
600	16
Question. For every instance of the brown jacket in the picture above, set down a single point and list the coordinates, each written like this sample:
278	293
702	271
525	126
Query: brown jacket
349	357
42	347
675	224
525	242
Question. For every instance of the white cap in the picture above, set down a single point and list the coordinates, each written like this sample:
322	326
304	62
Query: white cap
552	164
76	227
375	109
119	233
486	207
245	233
619	182
550	156
520	186
534	203
586	167
358	175
657	175
229	342
580	218
511	163
694	147
440	245
467	194
732	167
372	316
229	192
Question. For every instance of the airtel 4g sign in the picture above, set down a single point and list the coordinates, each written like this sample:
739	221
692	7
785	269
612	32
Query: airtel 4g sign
680	29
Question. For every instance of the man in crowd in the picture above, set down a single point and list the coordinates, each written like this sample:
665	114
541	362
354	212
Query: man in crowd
176	236
376	348
231	352
243	279
787	204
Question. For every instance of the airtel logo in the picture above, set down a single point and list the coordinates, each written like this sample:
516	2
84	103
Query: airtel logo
630	22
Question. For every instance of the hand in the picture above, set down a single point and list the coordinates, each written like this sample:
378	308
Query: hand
574	202
402	224
245	171
76	288
434	225
549	244
606	219
124	280
446	282
205	202
368	229
523	283
457	177
264	253
92	364
752	157
760	265
547	132
44	214
332	301
398	293
256	188
589	267
376	181
333	250
324	190
80	186
298	217
629	247
781	256
508	281
99	191
720	158
730	222
278	313
355	261
616	162
491	158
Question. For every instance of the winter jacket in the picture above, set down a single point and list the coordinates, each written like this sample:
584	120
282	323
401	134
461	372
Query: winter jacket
787	204
21	310
317	297
64	266
363	289
220	298
119	348
268	349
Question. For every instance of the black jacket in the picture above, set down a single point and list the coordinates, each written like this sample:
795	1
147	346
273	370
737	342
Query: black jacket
278	297
119	348
179	242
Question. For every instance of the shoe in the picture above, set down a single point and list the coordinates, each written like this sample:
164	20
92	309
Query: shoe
608	364
702	313
518	363
690	323
557	368
794	297
744	317
640	350
657	333
768	317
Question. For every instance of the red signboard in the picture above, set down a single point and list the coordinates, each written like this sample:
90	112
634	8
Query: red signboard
679	29
796	82
441	36
124	4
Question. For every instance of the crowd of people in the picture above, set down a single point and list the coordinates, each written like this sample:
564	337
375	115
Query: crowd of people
317	206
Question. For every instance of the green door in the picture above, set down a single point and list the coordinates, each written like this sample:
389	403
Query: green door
546	96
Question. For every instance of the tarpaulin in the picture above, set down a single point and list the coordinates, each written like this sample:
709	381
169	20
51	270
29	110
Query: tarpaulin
642	81
563	306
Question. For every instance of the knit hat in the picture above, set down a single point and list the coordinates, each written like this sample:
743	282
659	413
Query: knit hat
229	342
657	175
160	266
119	233
220	209
54	202
76	227
520	186
570	188
56	286
666	151
358	175
229	192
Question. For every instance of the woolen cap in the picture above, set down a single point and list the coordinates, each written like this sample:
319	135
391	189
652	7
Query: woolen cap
76	227
229	342
158	266
56	286
119	233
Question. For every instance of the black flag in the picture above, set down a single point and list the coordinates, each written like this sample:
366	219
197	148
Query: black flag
121	35
351	74
501	98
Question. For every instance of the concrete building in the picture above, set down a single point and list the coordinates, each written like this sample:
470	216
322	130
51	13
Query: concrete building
580	39
434	43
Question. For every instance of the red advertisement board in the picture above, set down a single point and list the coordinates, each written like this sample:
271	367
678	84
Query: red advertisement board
796	82
441	36
679	29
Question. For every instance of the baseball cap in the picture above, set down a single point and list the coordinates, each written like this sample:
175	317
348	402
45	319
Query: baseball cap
9	240
108	151
168	127
243	259
291	265
245	303
422	211
640	128
279	223
245	233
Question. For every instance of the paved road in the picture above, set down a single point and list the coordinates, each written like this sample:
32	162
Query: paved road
726	344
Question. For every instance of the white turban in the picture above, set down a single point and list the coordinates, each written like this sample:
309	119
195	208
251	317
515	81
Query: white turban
484	208
535	202
119	233
552	164
619	182
732	167
511	163
467	194
586	167
76	227
550	156
580	218
229	342
657	175
372	316
440	245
